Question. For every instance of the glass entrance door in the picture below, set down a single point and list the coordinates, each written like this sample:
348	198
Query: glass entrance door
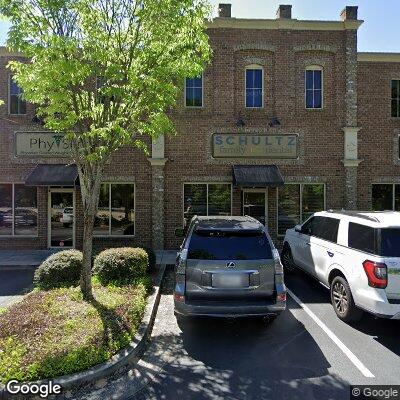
255	204
61	218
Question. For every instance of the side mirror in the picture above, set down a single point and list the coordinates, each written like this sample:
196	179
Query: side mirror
297	228
180	232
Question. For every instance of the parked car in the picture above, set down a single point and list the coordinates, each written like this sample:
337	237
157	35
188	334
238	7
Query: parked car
355	254
67	217
228	267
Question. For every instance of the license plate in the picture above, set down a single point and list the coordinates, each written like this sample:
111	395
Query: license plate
230	280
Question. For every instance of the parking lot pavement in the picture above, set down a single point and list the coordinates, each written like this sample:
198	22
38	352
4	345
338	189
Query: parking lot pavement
13	284
293	358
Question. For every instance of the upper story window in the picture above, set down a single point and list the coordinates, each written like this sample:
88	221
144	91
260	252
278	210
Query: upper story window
314	87
254	86
17	104
396	98
194	92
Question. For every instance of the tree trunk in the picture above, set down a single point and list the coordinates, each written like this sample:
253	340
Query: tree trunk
90	189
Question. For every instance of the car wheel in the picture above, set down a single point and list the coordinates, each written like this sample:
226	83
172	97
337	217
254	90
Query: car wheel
287	260
342	301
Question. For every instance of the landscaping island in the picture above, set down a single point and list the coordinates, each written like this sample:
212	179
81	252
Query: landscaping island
54	332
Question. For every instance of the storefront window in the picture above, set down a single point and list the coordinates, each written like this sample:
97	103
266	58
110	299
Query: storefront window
102	221
296	202
382	197
206	199
26	211
6	213
289	207
20	218
313	200
116	212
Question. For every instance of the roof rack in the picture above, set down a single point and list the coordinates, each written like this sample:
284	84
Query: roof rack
357	214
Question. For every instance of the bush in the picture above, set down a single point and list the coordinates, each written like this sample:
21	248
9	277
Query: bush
121	265
61	269
152	258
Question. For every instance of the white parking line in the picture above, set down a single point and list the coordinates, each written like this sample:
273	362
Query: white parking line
361	367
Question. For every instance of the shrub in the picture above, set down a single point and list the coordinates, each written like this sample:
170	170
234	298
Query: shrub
152	258
121	265
61	269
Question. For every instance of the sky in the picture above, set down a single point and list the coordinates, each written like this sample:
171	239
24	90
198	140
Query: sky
380	31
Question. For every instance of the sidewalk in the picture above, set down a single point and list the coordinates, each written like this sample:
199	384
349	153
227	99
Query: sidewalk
23	258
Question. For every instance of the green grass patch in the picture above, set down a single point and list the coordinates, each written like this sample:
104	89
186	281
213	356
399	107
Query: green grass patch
55	332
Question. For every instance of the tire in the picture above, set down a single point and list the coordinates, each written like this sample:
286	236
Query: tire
343	302
287	260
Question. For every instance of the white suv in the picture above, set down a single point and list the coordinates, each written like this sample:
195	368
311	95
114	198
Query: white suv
355	254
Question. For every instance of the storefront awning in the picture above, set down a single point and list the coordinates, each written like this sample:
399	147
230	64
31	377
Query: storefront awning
257	176
53	175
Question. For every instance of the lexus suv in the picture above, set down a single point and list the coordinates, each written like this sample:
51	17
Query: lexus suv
228	267
355	254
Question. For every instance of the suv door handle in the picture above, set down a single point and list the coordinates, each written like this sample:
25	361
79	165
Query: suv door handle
330	254
308	244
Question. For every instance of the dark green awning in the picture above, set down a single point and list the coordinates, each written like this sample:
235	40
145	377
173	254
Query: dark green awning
257	176
53	175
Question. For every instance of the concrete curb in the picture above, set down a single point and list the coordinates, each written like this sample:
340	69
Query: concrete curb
120	359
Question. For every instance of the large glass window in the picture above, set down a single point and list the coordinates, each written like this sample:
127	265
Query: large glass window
313	85
206	199
386	197
17	103
194	92
254	87
18	210
296	202
395	98
116	212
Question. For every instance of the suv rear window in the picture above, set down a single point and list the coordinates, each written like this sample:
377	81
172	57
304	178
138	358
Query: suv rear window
226	245
362	238
381	242
390	242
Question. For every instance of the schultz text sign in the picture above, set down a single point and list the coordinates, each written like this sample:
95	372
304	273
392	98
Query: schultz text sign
41	144
249	145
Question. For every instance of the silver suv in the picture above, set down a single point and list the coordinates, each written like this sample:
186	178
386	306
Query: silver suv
228	267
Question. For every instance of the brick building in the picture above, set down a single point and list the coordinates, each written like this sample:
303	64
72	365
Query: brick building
287	120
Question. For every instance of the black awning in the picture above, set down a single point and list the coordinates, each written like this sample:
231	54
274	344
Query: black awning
257	176
53	175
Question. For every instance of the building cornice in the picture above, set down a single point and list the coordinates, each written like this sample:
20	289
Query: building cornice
283	23
378	57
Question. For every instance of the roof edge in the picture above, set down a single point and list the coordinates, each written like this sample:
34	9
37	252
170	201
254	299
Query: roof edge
378	57
283	23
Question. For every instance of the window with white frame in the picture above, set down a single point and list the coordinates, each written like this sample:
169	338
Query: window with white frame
386	197
254	86
206	199
116	211
194	92
297	202
18	210
396	98
16	103
314	87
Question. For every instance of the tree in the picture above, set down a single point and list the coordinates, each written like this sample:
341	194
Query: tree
105	73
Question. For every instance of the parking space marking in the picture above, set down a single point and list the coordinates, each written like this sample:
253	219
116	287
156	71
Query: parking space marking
353	358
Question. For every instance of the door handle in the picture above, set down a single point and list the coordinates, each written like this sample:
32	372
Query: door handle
330	254
308	244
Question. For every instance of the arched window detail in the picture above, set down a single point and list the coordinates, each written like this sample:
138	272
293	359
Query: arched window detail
314	84
254	86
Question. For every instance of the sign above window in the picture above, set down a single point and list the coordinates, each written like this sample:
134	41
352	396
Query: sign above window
41	144
277	146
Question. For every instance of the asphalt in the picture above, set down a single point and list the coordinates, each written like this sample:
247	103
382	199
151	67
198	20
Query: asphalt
14	283
292	358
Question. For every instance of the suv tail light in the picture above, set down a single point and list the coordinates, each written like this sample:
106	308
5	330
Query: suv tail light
376	273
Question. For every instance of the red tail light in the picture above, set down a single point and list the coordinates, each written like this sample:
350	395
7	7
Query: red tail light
179	297
376	273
